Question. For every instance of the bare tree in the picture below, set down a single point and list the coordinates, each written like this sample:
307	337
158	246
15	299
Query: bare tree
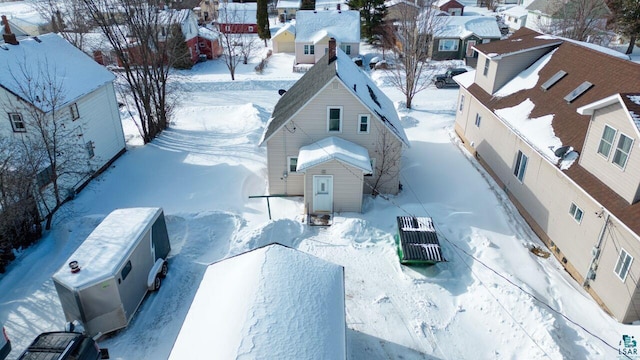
582	20
248	44
141	42
69	18
388	151
413	32
232	17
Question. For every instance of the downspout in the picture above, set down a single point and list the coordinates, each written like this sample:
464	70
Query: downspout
595	252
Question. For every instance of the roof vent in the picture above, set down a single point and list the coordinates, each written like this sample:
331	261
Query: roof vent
74	266
553	80
581	89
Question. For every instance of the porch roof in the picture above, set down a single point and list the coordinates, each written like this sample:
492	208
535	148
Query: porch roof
333	148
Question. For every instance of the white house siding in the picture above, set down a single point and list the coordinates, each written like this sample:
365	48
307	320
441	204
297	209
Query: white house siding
622	181
310	125
320	48
544	198
347	186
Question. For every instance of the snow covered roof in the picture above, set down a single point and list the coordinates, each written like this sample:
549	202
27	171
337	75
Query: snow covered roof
516	11
439	3
629	101
237	13
288	27
101	253
524	39
288	4
272	303
344	26
356	81
334	148
47	55
208	34
323	5
465	26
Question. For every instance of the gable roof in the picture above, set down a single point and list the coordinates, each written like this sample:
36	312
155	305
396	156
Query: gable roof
320	74
465	26
288	4
609	75
523	39
441	3
51	55
344	26
288	27
237	13
334	148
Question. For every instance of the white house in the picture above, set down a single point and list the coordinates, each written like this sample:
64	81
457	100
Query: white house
315	28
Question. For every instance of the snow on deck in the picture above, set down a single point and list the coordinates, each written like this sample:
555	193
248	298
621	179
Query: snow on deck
270	303
50	58
100	255
334	148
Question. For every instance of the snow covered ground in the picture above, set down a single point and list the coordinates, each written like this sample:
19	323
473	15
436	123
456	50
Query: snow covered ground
491	300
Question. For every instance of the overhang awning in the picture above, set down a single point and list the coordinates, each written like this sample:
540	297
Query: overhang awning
334	148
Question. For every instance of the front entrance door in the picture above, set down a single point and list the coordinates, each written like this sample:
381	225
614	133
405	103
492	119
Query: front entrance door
322	193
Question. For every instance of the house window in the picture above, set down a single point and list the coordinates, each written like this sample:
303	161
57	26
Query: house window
373	167
309	49
292	164
227	28
576	212
17	123
485	72
334	119
126	270
363	123
521	166
461	103
90	147
623	264
478	120
201	44
44	177
346	49
623	148
250	28
606	142
448	45
75	115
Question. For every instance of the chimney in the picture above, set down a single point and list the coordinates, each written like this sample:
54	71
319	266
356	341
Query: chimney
332	50
8	36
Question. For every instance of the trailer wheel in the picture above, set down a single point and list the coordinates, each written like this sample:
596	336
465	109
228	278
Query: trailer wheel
164	270
156	283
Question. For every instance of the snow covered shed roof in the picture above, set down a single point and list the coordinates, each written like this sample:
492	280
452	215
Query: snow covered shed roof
273	302
465	26
320	74
334	148
47	56
208	34
102	252
342	25
608	75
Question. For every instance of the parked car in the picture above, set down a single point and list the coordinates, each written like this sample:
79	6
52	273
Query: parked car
62	345
5	344
446	79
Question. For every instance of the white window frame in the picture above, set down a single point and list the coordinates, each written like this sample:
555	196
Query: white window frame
603	140
346	48
520	167
478	119
621	151
487	63
329	108
250	28
309	49
623	264
73	109
368	123
443	47
461	106
576	212
17	122
289	158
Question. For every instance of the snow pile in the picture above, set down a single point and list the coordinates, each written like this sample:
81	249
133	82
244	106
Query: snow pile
334	148
527	79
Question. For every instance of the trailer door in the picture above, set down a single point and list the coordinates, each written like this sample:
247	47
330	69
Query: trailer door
132	278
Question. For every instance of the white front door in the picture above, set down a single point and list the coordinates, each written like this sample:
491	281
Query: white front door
322	193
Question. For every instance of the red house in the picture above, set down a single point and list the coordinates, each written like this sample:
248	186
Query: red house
452	7
209	43
237	18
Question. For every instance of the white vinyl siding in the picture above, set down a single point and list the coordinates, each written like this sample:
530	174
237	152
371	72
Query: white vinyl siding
623	264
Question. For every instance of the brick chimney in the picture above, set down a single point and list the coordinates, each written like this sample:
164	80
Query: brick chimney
332	50
8	36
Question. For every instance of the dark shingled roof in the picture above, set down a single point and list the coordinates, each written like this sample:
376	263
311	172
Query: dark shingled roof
521	40
609	75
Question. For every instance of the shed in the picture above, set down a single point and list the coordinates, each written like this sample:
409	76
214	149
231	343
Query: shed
273	302
417	241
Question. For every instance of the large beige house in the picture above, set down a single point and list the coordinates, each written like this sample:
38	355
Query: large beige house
315	28
557	125
333	137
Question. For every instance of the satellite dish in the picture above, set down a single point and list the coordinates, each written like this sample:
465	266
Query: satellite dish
282	91
562	151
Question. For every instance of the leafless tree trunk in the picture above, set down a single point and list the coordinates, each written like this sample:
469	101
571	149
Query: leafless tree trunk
248	44
140	42
582	20
232	37
387	160
68	18
411	50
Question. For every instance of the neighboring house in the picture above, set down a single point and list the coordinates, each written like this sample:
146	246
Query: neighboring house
237	18
322	5
209	43
88	108
515	17
186	19
332	137
207	11
315	28
451	7
551	16
284	40
557	124
456	36
400	9
13	28
287	9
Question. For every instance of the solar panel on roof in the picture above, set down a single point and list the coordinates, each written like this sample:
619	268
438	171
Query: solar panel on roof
578	91
552	80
